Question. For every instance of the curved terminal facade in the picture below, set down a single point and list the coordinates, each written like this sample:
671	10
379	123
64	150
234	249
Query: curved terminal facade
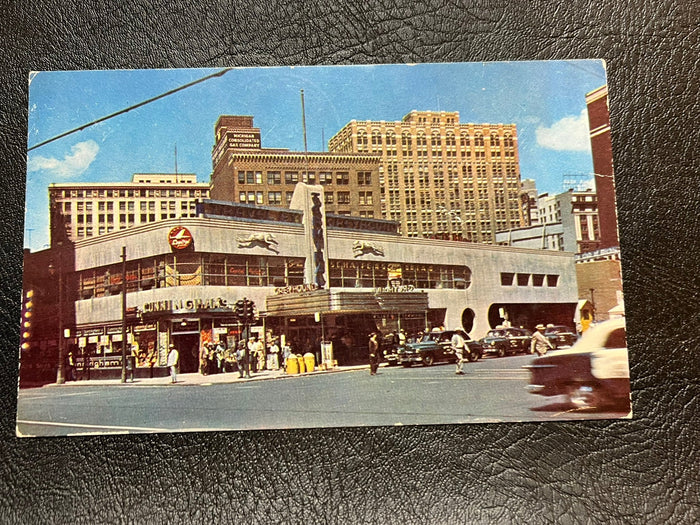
311	276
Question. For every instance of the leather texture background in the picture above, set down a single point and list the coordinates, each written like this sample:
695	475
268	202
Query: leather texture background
644	470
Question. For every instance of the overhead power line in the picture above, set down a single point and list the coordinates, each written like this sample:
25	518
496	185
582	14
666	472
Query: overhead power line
163	95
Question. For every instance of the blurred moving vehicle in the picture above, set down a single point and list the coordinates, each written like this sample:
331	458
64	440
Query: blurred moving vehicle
436	347
594	373
506	341
560	335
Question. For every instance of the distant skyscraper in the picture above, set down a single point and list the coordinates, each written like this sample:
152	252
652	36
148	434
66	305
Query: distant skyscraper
601	148
83	210
441	178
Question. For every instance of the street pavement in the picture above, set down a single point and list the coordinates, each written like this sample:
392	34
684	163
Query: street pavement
492	390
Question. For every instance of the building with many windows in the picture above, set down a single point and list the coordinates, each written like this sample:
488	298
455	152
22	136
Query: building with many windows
312	276
567	222
246	173
84	210
441	178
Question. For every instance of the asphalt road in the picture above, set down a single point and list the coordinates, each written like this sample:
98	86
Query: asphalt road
492	390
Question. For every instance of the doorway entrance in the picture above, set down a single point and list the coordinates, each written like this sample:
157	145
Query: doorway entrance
188	347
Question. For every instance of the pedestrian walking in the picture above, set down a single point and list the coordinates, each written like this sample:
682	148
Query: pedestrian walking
241	360
373	354
458	344
173	360
539	343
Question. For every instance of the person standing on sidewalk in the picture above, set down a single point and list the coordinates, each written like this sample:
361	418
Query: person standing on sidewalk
373	354
457	343
173	359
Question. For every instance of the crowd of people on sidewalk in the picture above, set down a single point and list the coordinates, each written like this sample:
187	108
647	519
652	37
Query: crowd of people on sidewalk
245	357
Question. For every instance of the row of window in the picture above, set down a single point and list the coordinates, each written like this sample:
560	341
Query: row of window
272	178
274	198
526	279
132	193
244	270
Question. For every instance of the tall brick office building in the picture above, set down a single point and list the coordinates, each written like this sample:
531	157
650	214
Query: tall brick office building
246	173
601	149
442	178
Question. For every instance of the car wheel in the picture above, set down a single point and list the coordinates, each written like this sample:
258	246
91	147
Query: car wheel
501	352
428	360
473	355
585	395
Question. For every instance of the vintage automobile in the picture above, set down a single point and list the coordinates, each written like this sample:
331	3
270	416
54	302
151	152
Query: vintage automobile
436	347
560	335
506	341
388	348
592	373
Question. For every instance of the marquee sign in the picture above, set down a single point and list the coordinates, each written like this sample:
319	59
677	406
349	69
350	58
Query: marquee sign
179	238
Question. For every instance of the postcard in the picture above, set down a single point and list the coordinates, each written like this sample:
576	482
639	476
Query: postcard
330	246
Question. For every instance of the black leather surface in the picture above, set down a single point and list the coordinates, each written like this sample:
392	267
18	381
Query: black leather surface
639	471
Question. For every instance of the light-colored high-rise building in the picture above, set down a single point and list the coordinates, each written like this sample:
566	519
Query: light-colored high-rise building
440	178
83	210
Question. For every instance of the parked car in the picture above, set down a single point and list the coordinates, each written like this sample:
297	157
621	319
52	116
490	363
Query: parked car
560	335
388	348
592	373
436	347
506	341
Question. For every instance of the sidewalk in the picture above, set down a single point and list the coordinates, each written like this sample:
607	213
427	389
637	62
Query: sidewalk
197	379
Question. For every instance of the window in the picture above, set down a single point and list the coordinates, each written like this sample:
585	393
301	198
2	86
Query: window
274	198
325	177
343	197
328	198
291	177
507	279
241	196
365	197
537	279
364	178
552	280
241	177
342	178
523	279
274	177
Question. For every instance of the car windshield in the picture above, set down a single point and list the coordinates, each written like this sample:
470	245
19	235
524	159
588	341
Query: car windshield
496	333
556	330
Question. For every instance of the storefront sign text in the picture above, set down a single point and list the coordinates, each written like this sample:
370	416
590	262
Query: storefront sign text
396	289
185	304
299	288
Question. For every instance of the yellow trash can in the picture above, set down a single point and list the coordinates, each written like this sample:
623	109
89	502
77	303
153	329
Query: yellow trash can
302	367
309	361
292	365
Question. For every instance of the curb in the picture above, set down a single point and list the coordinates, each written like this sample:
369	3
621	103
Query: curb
200	381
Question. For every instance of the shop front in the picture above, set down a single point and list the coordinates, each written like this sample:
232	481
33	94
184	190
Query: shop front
306	318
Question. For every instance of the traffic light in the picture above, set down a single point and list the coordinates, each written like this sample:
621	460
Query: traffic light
239	309
27	314
249	310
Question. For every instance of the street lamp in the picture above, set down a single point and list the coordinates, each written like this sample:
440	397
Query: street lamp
60	373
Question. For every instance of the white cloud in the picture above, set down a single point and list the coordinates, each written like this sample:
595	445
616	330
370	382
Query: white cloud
72	165
568	134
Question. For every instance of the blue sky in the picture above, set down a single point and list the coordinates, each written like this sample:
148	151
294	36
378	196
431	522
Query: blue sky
546	100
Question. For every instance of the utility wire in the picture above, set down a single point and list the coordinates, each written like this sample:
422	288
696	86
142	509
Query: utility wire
84	126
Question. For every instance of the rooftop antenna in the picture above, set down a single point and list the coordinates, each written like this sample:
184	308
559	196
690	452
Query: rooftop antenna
323	139
303	124
176	177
